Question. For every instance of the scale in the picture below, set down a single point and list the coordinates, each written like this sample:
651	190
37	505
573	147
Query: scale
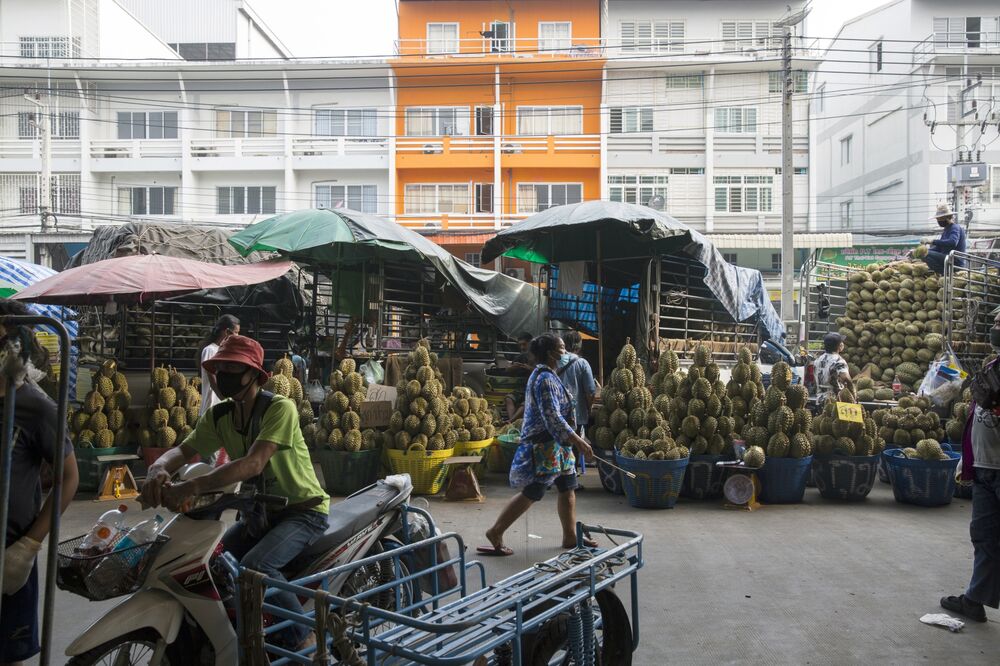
741	486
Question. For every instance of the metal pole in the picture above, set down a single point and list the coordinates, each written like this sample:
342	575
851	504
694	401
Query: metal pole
600	316
787	172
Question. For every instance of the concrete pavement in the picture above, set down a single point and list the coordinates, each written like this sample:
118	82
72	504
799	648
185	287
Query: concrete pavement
817	583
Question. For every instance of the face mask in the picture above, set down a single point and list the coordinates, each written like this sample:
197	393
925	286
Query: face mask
564	358
995	338
230	384
943	223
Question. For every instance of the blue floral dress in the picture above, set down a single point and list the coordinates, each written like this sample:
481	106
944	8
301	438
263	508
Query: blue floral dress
545	452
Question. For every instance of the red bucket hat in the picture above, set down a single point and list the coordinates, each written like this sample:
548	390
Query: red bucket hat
239	349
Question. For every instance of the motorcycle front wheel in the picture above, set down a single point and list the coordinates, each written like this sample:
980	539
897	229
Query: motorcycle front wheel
133	648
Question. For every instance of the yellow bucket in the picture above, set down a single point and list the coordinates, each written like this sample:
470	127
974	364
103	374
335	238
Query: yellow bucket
426	468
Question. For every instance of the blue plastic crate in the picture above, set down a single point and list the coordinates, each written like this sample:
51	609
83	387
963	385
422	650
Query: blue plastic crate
611	478
848	478
703	478
657	484
783	480
921	482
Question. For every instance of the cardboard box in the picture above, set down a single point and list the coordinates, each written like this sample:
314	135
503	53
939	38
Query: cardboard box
377	408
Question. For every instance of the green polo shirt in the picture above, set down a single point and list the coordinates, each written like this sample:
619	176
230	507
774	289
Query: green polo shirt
289	472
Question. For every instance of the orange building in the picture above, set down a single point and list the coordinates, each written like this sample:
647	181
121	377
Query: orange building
497	113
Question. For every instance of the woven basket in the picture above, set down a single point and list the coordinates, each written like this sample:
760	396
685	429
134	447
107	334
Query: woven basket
783	480
703	478
480	448
657	484
426	468
921	482
611	478
848	478
346	472
508	447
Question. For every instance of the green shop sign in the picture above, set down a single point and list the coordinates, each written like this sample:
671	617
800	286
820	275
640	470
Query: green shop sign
863	255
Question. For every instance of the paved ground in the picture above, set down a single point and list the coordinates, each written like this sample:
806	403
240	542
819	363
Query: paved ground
816	583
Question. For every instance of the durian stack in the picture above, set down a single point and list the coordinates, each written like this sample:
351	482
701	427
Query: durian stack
780	425
868	391
745	389
477	419
908	424
845	438
171	409
102	420
625	402
653	440
926	449
893	321
282	382
339	428
955	427
698	407
423	415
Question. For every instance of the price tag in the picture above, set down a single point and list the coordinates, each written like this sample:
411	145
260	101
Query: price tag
848	411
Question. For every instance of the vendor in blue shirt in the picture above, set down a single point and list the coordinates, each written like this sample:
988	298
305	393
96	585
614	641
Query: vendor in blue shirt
577	376
952	239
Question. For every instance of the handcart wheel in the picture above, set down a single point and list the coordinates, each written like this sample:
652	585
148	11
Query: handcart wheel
549	646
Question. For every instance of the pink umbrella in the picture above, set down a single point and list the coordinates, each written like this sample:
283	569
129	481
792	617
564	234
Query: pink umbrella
143	278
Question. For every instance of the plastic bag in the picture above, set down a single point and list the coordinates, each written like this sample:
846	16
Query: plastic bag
372	372
943	381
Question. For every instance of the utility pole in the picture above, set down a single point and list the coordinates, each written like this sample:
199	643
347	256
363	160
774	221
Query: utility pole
42	122
787	166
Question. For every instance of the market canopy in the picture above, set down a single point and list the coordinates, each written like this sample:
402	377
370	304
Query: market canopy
142	278
16	275
609	230
321	237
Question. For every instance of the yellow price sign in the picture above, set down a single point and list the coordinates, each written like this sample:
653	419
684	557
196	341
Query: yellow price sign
848	411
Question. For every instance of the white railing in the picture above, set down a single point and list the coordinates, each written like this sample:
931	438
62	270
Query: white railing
442	145
248	147
581	143
31	148
955	42
456	221
579	47
135	148
341	145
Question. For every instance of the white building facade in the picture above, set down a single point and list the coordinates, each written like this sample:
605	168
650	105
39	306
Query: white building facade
884	96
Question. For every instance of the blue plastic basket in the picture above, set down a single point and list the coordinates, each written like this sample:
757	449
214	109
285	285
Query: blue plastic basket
783	480
883	470
657	484
611	478
921	482
848	478
703	478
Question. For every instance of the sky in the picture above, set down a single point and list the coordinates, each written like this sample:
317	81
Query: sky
338	28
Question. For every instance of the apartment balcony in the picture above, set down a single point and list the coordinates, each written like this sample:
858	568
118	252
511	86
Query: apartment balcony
460	152
563	151
956	44
118	155
244	154
342	152
517	48
25	155
458	221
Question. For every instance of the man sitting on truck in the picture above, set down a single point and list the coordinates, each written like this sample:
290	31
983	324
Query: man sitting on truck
952	240
830	368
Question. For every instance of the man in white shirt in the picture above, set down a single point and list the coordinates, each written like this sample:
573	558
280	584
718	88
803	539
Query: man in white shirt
226	326
832	374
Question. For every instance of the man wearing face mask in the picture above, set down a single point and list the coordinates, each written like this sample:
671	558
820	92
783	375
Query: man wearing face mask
260	433
981	465
952	240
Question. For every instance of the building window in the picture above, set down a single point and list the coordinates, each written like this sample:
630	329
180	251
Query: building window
846	214
549	120
484	197
821	98
245	200
535	197
554	36
652	36
148	200
346	122
729	257
743	194
442	38
685	82
742	35
687	171
845	149
437	121
501	33
875	57
638	189
484	121
800	171
800	82
205	50
776	261
736	120
428	198
363	198
474	258
147	124
631	119
245	124
62	125
65	191
966	31
50	47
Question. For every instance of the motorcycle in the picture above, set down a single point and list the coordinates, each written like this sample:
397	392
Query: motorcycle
178	613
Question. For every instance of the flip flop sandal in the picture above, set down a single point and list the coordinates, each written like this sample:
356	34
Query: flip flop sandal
494	551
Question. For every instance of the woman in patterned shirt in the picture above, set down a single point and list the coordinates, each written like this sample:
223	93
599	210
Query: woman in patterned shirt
549	429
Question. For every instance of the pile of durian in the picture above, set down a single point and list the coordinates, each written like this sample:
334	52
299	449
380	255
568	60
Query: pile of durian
339	428
423	418
700	408
102	420
780	425
955	427
624	403
868	392
745	389
171	408
926	449
893	320
834	436
909	423
477	419
283	382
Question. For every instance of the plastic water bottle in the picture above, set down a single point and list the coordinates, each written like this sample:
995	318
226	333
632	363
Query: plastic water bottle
104	532
141	534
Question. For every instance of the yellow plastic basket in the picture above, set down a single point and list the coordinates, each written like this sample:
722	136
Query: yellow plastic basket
426	468
480	448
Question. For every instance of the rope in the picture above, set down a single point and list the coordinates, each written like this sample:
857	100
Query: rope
251	610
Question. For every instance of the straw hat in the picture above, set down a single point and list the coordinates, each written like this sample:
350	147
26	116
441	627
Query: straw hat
943	210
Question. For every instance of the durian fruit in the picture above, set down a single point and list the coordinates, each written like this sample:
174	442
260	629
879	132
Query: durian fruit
284	367
98	422
166	437
278	384
167	398
177	381
93	402
161	378
104	386
105	439
754	457
309	434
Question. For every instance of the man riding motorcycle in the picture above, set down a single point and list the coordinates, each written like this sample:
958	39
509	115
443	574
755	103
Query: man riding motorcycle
260	433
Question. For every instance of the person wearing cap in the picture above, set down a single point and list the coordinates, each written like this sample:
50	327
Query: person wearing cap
831	369
260	433
952	240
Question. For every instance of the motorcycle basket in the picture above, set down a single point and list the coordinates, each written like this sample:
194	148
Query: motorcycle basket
105	575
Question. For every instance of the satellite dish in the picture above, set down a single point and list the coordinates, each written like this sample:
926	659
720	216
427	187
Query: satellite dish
656	203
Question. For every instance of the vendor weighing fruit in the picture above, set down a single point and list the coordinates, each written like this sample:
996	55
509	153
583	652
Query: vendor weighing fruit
832	374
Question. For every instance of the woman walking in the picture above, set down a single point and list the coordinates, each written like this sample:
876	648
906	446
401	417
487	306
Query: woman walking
545	456
226	326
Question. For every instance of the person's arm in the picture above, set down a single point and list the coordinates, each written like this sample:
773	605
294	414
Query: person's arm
552	416
71	479
159	473
949	239
590	386
175	495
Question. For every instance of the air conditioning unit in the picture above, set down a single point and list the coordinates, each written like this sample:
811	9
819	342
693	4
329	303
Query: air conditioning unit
432	225
432	149
511	148
517	273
